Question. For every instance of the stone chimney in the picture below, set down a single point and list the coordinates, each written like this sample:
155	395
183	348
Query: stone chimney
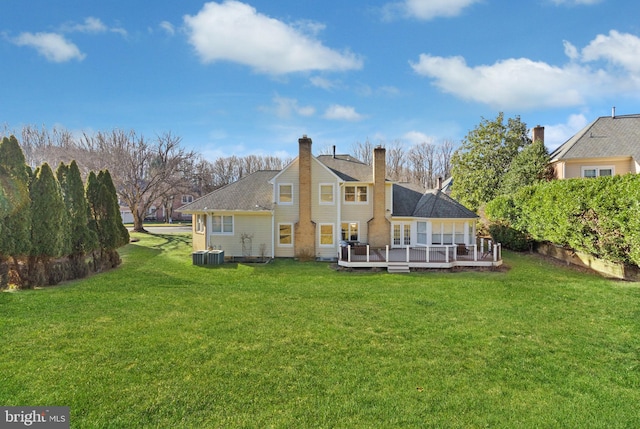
379	225
538	134
305	229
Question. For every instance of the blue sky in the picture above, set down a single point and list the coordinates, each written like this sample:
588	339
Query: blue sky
250	77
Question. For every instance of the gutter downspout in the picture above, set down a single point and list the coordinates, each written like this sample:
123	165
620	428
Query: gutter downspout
273	232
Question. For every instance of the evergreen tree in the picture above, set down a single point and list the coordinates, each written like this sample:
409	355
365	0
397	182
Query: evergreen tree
81	239
121	234
49	224
104	216
483	159
15	210
530	166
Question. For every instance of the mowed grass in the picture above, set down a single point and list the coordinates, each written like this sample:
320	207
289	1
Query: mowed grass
159	343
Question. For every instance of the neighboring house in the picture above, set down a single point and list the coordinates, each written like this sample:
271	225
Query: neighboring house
609	145
317	203
158	212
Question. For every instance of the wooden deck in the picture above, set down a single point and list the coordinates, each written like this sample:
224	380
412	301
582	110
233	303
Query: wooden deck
403	259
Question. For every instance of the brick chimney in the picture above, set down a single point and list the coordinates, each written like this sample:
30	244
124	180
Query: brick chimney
379	225
537	134
305	229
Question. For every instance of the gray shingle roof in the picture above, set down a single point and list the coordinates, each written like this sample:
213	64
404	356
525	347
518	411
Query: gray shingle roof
408	200
605	137
347	168
255	193
251	193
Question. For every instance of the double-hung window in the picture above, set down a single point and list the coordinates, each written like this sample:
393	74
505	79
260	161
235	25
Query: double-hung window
592	172
222	224
285	234
326	234
285	193
326	193
355	194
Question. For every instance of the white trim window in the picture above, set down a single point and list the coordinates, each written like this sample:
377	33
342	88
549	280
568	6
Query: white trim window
326	234
201	221
285	193
285	234
602	171
221	225
327	193
186	199
356	194
350	231
422	233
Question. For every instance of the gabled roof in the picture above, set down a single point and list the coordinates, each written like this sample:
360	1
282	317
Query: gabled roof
606	137
410	201
250	193
255	193
347	168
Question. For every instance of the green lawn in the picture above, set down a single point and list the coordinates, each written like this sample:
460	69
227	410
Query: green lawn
159	343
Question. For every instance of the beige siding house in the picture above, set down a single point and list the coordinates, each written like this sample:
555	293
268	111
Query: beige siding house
608	146
332	207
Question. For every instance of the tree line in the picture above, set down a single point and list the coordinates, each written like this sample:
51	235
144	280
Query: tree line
153	171
146	171
53	226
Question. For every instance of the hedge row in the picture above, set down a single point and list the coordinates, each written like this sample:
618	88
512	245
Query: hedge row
597	216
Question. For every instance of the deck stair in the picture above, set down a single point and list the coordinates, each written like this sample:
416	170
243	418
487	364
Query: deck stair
398	267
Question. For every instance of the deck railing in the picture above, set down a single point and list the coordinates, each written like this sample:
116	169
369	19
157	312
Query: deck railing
455	254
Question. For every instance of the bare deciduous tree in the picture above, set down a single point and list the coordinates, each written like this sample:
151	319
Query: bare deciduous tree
363	151
445	152
422	162
396	161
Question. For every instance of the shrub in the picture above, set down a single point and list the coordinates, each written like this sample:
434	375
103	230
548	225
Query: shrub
510	238
596	216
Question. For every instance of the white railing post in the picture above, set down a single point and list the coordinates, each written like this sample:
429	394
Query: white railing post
387	254
455	253
349	253
408	250
368	253
482	245
428	251
446	252
495	253
475	252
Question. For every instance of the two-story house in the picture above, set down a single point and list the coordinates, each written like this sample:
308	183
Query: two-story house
608	146
316	204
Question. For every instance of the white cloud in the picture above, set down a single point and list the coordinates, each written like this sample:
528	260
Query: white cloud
52	46
324	83
234	31
617	48
524	83
91	25
427	9
555	135
508	84
342	113
416	137
168	28
570	50
286	107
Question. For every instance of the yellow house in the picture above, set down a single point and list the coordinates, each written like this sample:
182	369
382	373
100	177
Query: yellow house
609	145
317	207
